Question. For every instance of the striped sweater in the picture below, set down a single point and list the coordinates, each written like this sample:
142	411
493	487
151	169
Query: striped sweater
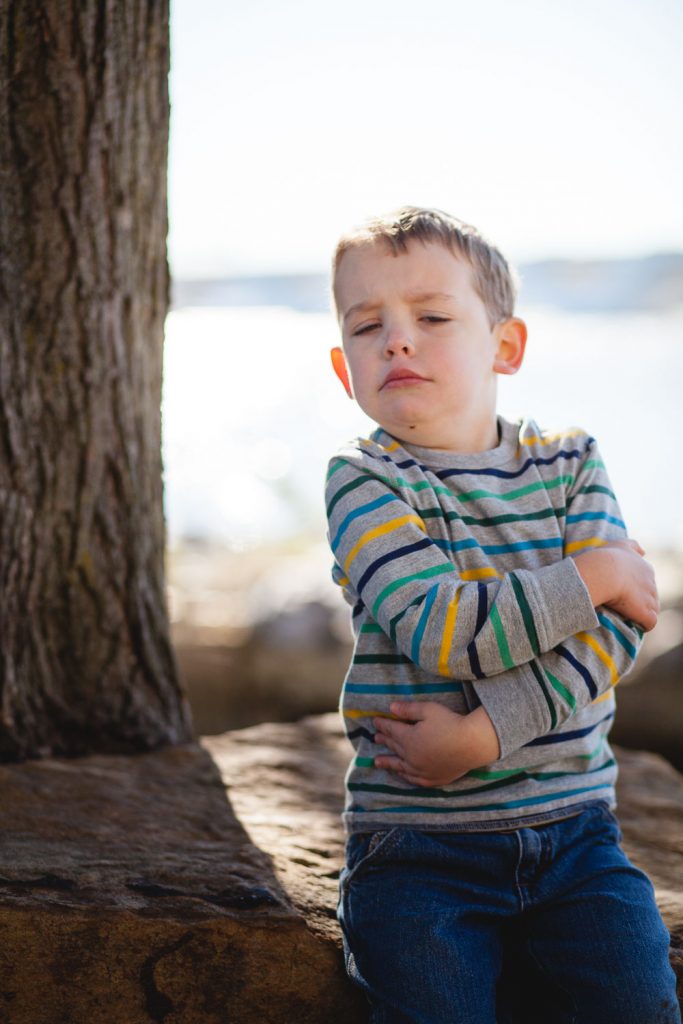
459	572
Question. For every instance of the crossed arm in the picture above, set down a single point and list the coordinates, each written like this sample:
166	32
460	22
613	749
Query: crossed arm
535	639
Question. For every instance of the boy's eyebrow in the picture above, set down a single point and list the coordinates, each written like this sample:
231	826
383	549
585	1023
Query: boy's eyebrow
360	307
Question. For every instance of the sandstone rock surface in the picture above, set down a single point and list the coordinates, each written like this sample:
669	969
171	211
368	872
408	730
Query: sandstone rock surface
198	884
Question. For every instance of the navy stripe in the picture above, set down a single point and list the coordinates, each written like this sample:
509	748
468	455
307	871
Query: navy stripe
581	669
359	733
475	664
389	557
482	610
511	474
563	737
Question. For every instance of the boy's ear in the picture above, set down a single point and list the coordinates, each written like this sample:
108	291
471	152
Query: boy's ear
511	336
339	364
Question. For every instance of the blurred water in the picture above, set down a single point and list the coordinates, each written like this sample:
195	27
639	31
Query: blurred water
252	412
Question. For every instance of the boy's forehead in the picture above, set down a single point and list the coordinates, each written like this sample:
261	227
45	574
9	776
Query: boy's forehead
367	272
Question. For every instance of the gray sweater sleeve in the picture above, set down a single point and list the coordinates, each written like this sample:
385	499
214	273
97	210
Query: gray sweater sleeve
526	703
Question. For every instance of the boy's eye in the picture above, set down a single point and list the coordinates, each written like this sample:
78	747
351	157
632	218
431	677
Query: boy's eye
364	329
436	319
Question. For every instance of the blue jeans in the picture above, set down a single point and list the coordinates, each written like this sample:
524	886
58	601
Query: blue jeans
543	925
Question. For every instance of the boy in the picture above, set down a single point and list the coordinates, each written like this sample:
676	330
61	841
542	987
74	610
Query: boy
496	602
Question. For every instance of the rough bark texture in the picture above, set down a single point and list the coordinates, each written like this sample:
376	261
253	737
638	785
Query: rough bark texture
85	659
198	884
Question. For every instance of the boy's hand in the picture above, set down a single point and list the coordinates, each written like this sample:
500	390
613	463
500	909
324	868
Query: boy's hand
618	576
435	746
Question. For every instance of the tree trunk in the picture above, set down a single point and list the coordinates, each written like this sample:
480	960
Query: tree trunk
85	656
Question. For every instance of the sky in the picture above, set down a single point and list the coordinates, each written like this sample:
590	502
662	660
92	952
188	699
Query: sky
555	128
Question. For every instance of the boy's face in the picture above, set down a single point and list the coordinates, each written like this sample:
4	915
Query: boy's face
421	353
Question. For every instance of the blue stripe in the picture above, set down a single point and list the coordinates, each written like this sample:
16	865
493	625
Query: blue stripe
406	688
581	669
408	549
564	737
457	545
583	516
499	549
625	643
422	624
523	545
369	507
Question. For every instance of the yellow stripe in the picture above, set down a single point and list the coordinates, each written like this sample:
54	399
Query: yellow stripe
488	572
604	696
602	654
343	581
363	713
552	437
590	542
448	630
375	444
378	531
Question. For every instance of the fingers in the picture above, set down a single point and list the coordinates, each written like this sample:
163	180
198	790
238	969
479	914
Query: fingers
402	768
627	543
649	618
384	739
393	764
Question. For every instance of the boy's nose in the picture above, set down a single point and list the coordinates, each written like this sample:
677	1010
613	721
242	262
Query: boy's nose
398	341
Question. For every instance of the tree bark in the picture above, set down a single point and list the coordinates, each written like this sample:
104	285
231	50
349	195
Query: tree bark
85	657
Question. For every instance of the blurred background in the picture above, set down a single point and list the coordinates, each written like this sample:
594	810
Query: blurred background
556	129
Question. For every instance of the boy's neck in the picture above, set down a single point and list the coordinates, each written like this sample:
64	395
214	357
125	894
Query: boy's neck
468	440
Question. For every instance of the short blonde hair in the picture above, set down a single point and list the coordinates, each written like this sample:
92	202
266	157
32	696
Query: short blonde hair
494	279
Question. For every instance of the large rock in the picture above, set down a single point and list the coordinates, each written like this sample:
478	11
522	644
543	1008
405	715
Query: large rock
199	883
650	706
131	892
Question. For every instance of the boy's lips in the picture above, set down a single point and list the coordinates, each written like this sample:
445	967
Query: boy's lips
397	377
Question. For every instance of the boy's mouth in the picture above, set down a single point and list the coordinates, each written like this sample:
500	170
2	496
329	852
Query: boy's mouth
398	377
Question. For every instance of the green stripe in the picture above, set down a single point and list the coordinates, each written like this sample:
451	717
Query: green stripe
561	689
541	682
397	482
425	574
505	655
593	489
397	618
547	485
527	616
484	774
507	517
351	486
335	468
593	753
434	793
365	762
370	627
